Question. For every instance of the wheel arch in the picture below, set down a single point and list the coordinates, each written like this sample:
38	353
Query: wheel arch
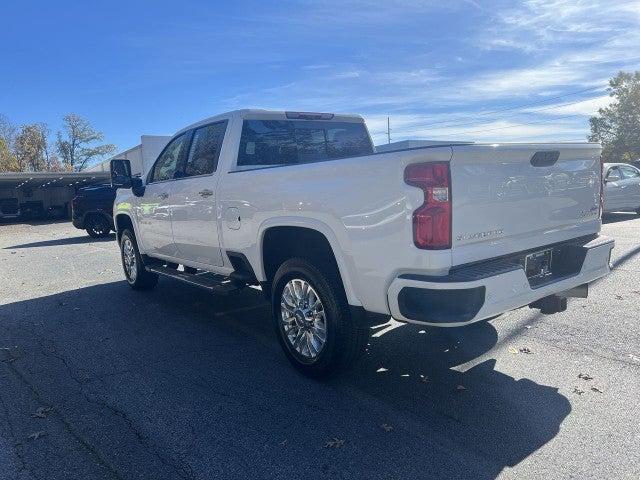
307	228
122	221
88	213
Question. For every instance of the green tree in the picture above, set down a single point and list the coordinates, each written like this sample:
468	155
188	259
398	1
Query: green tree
76	145
31	150
8	162
617	127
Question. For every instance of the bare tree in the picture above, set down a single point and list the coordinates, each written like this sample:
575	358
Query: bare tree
75	145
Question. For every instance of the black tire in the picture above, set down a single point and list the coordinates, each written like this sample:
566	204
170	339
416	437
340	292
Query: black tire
139	278
344	342
97	226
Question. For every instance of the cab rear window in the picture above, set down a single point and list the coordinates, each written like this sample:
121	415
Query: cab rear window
287	142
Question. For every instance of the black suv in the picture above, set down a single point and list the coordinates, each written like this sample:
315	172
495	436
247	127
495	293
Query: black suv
92	210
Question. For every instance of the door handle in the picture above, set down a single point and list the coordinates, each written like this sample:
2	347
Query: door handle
205	193
163	195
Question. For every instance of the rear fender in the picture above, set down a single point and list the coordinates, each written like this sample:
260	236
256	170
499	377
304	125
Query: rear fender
256	260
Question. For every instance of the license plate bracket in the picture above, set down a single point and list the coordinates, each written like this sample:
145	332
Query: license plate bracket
538	265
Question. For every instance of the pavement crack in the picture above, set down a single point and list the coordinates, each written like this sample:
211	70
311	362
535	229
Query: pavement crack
68	426
17	444
185	471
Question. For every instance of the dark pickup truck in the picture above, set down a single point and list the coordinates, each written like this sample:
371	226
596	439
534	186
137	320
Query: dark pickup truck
92	210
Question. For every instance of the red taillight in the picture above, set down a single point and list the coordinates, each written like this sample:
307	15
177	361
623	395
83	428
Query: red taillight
432	220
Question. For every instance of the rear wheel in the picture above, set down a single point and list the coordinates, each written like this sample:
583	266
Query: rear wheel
137	276
313	321
97	226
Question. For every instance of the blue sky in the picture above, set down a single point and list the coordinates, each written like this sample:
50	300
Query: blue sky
477	70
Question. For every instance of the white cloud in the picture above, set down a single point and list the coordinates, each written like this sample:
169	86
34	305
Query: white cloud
585	107
547	49
494	131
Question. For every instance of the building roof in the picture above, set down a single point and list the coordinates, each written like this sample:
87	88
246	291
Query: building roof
52	179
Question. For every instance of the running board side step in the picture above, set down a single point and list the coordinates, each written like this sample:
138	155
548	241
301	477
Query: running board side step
218	284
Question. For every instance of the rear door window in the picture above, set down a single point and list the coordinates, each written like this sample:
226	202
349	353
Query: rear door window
629	172
205	149
287	142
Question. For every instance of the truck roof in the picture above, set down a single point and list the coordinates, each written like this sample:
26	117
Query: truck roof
261	114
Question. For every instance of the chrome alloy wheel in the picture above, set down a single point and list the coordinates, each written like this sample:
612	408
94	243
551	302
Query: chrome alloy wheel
303	318
129	259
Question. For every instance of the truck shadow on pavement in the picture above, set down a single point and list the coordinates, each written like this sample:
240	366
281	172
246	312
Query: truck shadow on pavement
64	241
175	383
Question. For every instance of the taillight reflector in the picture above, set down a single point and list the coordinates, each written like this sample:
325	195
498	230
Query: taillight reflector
432	220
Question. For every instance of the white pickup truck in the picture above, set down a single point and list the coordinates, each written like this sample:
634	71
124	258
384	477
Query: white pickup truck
333	232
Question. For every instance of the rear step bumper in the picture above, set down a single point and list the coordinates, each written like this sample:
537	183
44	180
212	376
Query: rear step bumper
483	291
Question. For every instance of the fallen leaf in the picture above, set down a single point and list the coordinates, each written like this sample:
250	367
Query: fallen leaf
595	389
513	350
36	435
41	412
578	391
584	376
386	427
334	443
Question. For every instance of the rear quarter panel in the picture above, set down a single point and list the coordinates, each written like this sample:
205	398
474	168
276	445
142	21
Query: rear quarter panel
361	204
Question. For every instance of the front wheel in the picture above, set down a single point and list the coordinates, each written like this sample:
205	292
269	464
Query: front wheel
313	321
137	276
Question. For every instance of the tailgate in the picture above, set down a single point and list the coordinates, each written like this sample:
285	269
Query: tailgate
509	198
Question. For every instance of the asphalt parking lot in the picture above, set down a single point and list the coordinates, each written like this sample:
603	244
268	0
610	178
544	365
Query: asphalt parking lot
99	381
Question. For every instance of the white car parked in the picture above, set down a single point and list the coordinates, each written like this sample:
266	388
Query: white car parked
622	188
302	205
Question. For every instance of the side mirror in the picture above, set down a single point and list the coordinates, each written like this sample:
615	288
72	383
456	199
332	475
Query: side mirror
120	173
137	186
